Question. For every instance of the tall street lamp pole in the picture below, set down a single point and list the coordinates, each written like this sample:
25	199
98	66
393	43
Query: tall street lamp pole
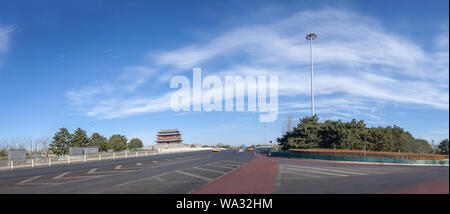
311	37
265	134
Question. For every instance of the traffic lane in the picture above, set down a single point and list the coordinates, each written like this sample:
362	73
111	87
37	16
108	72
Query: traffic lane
431	187
179	181
17	173
349	185
14	185
319	178
109	183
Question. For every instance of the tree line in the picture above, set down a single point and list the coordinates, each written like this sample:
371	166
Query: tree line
354	135
63	139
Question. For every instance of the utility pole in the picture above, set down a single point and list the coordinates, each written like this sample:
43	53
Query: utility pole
311	37
272	134
265	134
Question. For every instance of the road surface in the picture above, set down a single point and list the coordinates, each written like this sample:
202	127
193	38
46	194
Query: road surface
223	172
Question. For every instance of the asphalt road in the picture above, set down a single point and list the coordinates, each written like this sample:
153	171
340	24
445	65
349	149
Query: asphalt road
220	172
173	173
328	178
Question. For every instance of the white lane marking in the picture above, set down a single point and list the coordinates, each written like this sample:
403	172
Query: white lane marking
194	175
92	171
159	179
313	171
138	164
297	173
30	179
382	170
327	170
280	168
210	170
143	179
84	176
34	184
364	171
228	164
118	167
109	172
215	164
154	161
60	176
233	162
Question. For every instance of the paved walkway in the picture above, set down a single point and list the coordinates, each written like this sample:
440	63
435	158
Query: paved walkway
256	177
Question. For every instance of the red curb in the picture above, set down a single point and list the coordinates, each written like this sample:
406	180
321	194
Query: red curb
433	187
256	177
344	163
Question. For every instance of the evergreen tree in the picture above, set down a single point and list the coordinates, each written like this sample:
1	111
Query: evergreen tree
443	146
60	142
79	138
353	135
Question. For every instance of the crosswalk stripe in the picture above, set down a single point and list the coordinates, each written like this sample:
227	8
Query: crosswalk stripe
228	164
118	167
282	171
60	176
30	179
370	171
210	170
313	171
194	175
328	170
232	162
138	164
214	164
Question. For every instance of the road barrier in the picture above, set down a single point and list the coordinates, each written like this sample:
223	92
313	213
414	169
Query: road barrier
289	154
66	159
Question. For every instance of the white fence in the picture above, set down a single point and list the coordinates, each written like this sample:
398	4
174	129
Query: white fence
60	160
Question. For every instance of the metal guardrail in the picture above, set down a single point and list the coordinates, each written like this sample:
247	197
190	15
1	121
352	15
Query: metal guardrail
66	159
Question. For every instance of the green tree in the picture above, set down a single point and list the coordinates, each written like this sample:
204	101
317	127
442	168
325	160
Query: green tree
98	140
60	142
353	135
117	143
443	146
79	138
135	144
305	135
421	146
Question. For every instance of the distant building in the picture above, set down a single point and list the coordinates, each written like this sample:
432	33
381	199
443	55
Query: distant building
170	136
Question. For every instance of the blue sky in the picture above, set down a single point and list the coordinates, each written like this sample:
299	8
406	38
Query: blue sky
105	66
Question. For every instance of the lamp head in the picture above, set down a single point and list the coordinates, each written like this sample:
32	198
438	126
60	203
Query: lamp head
311	36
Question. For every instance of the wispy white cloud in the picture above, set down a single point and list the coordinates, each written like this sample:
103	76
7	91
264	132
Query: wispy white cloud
5	39
354	55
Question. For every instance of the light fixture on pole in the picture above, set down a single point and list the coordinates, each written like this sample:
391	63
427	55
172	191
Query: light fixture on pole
311	37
